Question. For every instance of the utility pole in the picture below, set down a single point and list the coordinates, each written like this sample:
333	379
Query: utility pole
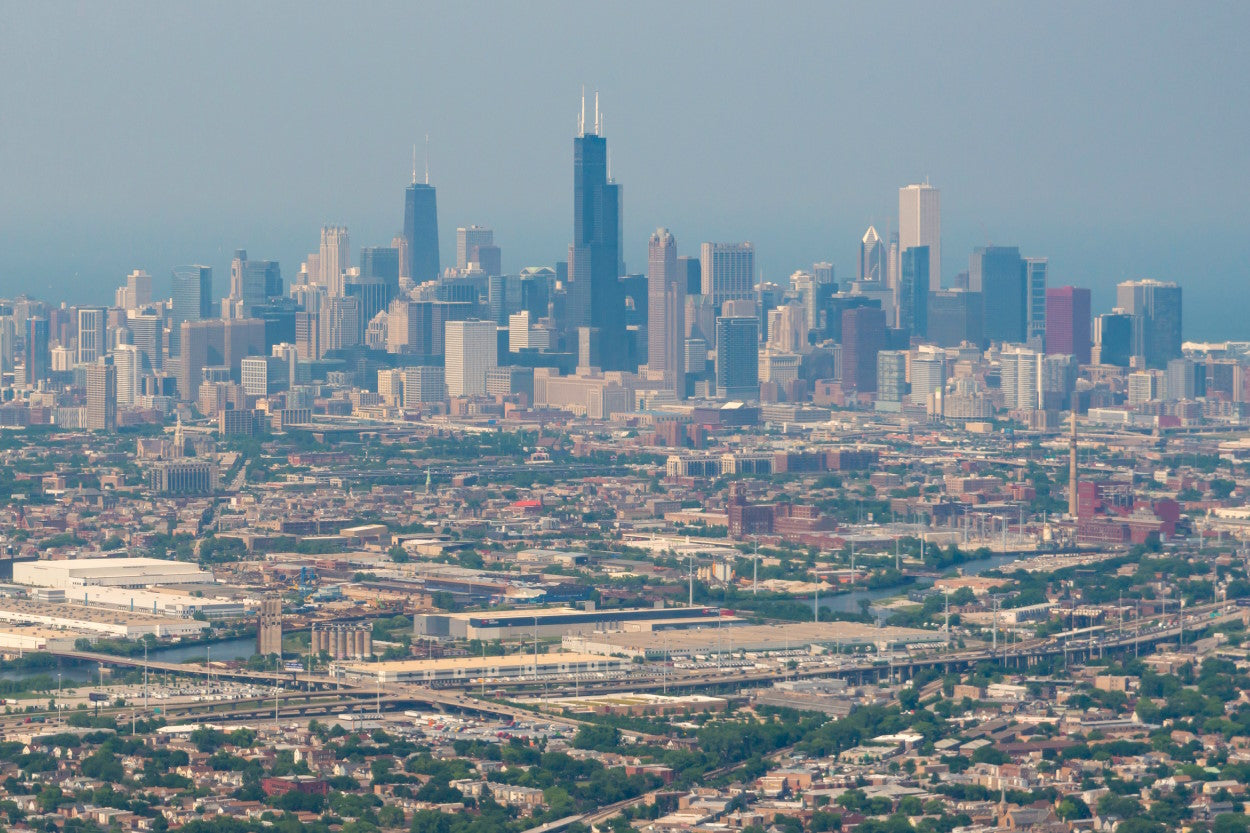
946	627
755	570
691	580
145	675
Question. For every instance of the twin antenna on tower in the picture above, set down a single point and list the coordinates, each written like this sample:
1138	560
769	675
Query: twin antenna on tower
581	119
427	161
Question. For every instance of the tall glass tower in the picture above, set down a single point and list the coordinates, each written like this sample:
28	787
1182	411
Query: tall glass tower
598	296
421	229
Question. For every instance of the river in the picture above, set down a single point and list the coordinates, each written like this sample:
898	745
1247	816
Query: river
80	672
849	602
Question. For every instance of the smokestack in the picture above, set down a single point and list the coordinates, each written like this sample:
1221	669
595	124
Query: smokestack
1072	480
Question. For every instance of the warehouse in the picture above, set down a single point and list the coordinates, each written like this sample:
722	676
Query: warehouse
96	620
158	602
556	622
468	668
754	638
74	573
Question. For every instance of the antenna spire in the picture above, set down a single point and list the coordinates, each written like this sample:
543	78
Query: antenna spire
414	163
596	112
427	158
581	120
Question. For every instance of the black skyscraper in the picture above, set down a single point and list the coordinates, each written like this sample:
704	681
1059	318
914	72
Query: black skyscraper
421	231
998	273
598	296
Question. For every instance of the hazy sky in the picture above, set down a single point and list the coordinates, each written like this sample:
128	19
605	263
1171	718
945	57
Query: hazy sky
1111	137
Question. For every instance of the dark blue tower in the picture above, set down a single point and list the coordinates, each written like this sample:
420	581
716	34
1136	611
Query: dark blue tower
597	294
421	227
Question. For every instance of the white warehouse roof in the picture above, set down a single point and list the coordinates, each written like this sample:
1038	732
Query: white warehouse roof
108	572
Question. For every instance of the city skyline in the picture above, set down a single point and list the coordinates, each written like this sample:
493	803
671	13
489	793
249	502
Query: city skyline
1101	216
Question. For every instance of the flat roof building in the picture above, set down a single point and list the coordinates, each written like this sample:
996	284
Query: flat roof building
108	572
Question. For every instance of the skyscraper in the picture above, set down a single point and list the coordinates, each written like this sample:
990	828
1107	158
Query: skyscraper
728	271
38	351
998	273
1068	322
252	284
913	291
920	224
737	357
872	257
192	293
1113	334
101	412
336	258
91	334
1159	305
1035	272
471	348
469	239
863	337
666	313
421	229
598	296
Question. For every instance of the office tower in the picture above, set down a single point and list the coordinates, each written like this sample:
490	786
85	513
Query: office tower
8	343
126	364
666	312
787	329
263	375
823	273
690	266
1185	380
91	334
955	317
863	337
1035	277
597	297
340	323
471	348
1143	386
101	414
891	378
38	351
891	261
537	284
834	305
872	258
523	335
335	258
728	272
421	228
1018	377
913	291
468	241
928	375
269	627
737	357
381	263
218	343
1068	323
998	273
1113	336
137	292
192	293
920	224
1159	305
1056	380
147	333
424	385
252	283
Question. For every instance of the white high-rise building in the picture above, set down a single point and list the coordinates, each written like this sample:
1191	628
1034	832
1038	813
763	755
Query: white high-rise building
469	238
91	334
470	348
728	272
928	374
128	361
666	313
920	224
1019	375
334	259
